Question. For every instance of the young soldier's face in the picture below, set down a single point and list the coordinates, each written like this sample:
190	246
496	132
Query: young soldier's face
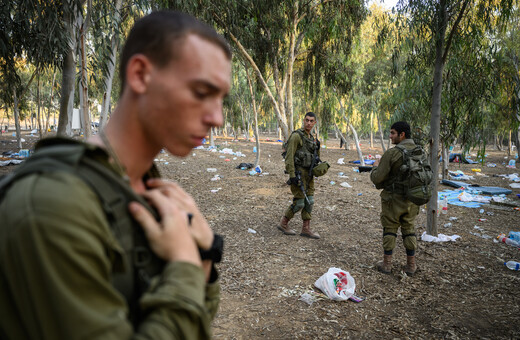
309	123
184	99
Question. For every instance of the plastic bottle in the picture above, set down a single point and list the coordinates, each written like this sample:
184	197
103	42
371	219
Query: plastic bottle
513	265
445	205
502	238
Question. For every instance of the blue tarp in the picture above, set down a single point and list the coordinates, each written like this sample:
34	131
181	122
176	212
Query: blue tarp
367	162
484	190
453	199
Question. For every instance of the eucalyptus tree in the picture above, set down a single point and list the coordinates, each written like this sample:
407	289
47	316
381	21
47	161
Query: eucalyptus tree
274	35
33	31
436	27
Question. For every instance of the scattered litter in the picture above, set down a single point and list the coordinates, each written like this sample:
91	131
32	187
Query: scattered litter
345	185
337	284
227	160
211	170
448	225
502	238
216	178
332	182
251	231
359	194
341	161
307	298
491	165
252	172
477	227
481	211
453	218
441	238
459	175
244	166
10	161
482	219
355	169
515	185
215	190
258	169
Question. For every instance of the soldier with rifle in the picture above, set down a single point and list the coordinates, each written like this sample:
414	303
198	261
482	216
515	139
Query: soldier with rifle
302	156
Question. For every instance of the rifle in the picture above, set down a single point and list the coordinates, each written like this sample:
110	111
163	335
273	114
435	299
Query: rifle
300	184
315	160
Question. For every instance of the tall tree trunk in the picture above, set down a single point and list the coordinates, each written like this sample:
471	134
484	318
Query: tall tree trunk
39	105
381	136
69	69
431	227
111	66
50	103
85	112
445	161
371	129
17	121
509	141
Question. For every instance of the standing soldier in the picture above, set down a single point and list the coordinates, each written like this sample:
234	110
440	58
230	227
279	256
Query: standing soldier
302	150
396	209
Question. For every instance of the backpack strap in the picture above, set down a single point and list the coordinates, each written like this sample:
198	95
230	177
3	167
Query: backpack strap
114	194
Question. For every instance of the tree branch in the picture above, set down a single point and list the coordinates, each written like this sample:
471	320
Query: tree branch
453	30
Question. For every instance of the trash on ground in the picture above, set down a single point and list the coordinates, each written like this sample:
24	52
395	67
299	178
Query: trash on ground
441	238
504	239
345	185
513	265
459	175
453	218
337	284
244	166
215	190
211	170
341	161
216	178
448	225
251	231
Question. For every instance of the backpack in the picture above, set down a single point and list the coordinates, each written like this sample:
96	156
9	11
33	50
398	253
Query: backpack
284	145
415	175
79	159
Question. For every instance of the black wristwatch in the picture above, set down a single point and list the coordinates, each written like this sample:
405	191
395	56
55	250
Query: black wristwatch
215	252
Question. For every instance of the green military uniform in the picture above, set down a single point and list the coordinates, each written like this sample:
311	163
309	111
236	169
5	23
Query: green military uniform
396	210
58	256
300	150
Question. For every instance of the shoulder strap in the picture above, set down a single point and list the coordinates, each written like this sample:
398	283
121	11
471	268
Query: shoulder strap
114	194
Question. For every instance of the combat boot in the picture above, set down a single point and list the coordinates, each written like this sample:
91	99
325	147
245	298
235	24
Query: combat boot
410	267
307	232
284	227
386	265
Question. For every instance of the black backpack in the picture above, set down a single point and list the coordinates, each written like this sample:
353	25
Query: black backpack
415	175
67	155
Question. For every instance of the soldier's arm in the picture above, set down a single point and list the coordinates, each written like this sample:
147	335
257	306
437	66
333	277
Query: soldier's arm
61	262
380	173
294	141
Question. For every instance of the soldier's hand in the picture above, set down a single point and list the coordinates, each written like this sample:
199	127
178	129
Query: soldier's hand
171	238
293	180
199	228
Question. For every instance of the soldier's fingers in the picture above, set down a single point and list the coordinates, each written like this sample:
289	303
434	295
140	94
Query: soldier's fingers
150	226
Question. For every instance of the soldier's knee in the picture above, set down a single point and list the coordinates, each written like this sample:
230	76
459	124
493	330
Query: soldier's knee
389	240
310	204
410	241
298	204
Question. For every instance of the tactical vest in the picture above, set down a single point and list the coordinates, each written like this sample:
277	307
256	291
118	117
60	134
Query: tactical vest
303	156
131	277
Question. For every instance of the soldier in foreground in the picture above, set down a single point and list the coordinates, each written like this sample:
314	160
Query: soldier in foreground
92	244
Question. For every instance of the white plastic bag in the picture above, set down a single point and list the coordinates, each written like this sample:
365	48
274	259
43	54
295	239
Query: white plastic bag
337	284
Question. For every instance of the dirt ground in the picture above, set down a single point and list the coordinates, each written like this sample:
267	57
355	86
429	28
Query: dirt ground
462	290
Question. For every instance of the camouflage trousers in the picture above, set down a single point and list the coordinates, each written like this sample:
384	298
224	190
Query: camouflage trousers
397	211
299	201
